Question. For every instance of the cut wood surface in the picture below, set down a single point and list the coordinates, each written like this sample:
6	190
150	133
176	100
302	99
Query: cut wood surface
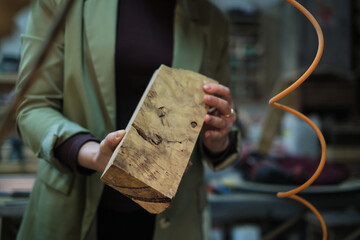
148	164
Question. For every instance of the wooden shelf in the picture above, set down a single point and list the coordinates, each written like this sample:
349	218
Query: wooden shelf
343	154
10	166
13	183
8	78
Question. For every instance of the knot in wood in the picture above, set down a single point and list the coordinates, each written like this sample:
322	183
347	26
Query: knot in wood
161	112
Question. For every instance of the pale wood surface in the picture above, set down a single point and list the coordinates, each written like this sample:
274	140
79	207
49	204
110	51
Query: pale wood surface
150	161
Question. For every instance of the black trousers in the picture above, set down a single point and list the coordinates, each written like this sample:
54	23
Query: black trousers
125	225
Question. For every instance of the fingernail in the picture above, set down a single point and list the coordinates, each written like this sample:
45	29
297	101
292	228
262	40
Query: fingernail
207	87
119	133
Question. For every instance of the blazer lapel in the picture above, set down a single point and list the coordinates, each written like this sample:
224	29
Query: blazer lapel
189	37
100	19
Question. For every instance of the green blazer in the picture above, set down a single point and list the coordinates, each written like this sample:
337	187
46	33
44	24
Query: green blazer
75	93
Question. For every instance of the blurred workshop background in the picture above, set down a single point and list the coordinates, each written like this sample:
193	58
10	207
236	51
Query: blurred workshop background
271	45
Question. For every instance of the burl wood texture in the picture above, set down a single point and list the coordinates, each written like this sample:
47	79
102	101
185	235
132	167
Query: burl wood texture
148	164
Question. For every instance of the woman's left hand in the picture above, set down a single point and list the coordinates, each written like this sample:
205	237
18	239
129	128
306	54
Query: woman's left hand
219	119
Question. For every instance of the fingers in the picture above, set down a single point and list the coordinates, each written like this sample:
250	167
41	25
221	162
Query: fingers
213	135
216	141
220	98
189	165
215	122
218	89
218	103
216	127
111	141
220	118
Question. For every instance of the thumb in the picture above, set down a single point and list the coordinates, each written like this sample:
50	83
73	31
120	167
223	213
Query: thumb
113	139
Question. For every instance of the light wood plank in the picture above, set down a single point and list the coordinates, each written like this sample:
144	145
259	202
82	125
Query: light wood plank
148	164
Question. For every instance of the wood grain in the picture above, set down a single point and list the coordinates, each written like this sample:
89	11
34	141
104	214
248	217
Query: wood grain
148	164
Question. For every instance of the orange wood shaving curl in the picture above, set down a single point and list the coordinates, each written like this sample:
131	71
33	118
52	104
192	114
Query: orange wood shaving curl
273	102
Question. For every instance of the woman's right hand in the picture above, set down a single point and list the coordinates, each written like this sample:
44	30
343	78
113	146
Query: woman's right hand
95	155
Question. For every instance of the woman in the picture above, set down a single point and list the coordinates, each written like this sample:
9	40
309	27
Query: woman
90	84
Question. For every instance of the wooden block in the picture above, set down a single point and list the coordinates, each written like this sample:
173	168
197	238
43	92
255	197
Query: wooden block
148	164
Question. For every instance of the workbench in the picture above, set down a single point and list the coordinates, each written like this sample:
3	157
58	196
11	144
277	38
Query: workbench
257	203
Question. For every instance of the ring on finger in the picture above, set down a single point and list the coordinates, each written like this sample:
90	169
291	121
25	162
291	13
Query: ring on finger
231	113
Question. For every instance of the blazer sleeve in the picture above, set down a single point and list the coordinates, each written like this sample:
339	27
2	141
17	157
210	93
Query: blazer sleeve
40	122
